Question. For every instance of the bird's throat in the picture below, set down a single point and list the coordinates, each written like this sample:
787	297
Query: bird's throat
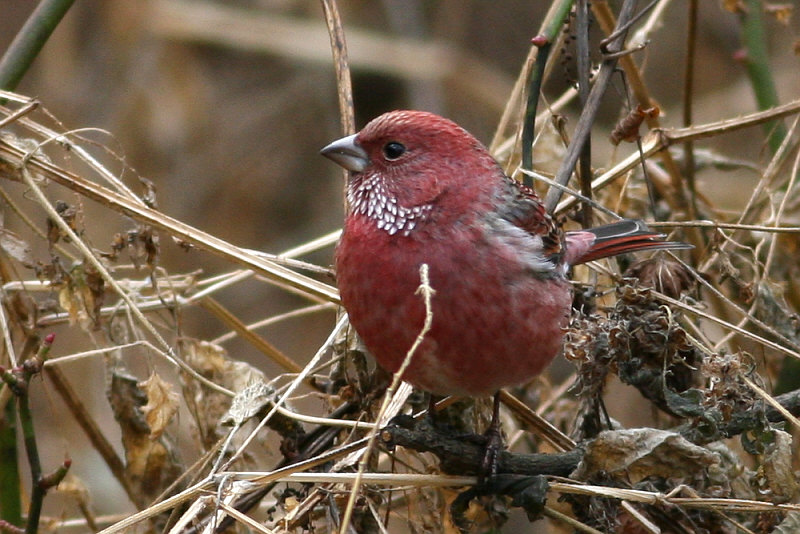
370	198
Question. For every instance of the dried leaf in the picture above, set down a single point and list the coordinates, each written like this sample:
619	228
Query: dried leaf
212	362
627	129
644	452
74	487
781	12
248	403
143	246
68	301
777	479
69	215
734	6
162	404
210	407
16	247
24	309
95	286
151	465
790	525
79	300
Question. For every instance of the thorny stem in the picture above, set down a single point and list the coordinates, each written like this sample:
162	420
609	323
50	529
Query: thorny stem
688	90
9	468
584	70
549	30
529	124
18	380
583	128
757	63
544	42
29	439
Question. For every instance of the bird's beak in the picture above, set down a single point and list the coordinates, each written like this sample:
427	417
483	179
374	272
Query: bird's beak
347	153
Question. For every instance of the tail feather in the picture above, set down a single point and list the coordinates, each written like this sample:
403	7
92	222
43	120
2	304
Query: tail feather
624	236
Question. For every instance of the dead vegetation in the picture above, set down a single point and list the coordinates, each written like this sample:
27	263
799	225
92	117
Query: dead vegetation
198	438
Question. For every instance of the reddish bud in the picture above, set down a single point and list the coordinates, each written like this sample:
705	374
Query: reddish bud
540	41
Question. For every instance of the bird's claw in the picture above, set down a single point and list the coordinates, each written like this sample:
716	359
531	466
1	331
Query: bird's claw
491	455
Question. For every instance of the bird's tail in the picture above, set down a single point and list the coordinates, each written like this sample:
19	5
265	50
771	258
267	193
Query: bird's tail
623	236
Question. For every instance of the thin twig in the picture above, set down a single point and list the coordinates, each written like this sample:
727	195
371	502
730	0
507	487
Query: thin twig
340	61
97	264
174	227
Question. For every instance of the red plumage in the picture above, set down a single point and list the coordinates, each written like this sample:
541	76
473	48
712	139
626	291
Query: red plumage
423	190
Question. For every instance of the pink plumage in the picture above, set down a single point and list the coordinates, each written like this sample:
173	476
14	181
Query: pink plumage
423	190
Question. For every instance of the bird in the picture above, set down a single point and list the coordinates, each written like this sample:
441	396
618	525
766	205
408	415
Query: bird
422	190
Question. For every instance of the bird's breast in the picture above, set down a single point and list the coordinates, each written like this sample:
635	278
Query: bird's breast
494	323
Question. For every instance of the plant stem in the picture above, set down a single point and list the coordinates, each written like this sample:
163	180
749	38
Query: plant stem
544	42
29	438
10	504
757	64
30	40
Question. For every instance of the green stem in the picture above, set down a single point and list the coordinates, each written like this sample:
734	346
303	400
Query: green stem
30	40
757	63
529	126
544	41
10	503
37	490
584	74
688	95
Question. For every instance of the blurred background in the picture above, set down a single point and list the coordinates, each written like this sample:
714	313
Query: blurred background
224	106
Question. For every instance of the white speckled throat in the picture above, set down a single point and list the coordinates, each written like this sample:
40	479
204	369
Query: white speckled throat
370	197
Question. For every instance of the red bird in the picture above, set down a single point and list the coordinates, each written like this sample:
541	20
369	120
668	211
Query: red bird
423	190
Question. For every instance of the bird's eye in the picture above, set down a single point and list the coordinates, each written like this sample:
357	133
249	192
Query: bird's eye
393	150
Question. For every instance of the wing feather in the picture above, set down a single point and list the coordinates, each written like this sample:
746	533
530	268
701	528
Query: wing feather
524	209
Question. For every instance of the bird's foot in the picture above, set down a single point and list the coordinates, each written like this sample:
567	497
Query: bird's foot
494	445
491	455
430	415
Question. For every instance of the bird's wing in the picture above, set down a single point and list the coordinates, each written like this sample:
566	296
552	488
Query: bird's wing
525	210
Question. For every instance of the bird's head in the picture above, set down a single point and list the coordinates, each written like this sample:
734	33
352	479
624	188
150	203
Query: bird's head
406	165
